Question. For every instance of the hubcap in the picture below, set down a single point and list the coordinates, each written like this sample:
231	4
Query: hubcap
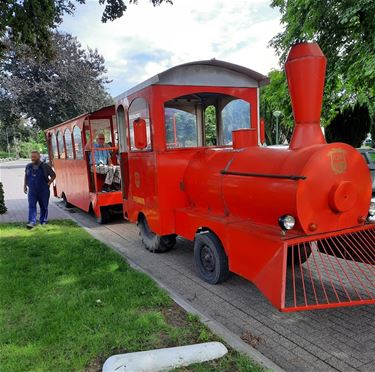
207	258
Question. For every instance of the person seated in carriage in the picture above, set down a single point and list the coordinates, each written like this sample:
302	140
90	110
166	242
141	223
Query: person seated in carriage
104	164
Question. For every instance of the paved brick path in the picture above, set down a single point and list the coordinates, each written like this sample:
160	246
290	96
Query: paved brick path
326	340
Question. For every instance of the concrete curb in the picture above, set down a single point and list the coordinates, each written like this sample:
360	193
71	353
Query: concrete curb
229	337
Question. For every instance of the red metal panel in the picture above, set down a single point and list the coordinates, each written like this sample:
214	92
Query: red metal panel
71	179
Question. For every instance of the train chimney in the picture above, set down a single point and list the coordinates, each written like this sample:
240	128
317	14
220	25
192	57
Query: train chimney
305	71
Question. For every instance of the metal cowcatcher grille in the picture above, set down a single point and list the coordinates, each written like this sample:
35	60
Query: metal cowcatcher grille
332	271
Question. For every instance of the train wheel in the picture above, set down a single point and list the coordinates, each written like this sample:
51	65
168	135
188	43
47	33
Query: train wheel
66	203
154	242
104	216
210	259
297	260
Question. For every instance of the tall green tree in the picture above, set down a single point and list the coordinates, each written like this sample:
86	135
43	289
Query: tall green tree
350	126
47	92
345	31
31	22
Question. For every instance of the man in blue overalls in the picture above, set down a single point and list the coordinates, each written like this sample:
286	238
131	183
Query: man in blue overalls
38	178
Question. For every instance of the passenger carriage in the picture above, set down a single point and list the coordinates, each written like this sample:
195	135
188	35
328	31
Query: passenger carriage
79	183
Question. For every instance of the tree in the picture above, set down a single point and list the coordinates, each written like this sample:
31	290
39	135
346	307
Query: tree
345	31
350	126
275	96
51	91
31	22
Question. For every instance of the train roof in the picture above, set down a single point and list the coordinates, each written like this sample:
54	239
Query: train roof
97	113
211	72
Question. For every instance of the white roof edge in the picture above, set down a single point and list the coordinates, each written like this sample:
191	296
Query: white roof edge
260	78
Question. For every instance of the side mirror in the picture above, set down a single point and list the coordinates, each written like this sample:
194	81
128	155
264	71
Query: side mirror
140	133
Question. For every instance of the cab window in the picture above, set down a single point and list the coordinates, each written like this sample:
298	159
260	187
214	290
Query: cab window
204	119
139	109
181	127
234	115
210	126
121	128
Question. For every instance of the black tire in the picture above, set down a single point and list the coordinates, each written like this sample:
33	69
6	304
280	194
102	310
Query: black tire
210	259
104	216
66	203
294	252
154	242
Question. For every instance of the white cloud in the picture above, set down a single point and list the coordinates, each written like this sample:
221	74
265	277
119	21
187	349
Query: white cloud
148	40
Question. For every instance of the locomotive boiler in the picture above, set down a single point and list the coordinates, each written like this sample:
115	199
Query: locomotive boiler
294	221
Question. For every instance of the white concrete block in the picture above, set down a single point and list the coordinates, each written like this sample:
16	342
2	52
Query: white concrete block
164	359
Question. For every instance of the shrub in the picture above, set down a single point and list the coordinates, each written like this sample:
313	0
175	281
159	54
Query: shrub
3	208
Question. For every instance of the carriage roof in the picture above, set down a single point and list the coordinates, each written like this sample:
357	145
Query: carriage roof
78	120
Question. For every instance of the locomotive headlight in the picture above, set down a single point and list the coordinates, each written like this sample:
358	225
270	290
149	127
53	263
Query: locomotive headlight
287	222
371	211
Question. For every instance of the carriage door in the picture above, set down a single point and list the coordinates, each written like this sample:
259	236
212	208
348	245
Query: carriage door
123	151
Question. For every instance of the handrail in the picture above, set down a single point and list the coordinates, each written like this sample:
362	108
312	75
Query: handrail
103	148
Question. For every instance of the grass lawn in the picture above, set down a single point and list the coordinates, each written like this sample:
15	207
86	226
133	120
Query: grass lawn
67	302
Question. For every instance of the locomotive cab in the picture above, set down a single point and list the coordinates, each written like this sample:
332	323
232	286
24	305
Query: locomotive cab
193	166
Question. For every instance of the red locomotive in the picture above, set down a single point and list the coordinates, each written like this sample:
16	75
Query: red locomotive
293	221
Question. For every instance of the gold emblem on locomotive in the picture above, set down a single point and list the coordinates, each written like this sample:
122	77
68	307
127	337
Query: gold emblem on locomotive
338	160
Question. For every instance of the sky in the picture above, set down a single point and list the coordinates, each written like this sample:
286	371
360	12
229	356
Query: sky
148	40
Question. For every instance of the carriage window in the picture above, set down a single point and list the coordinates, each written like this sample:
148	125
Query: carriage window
234	115
54	151
121	128
139	109
77	142
68	144
60	144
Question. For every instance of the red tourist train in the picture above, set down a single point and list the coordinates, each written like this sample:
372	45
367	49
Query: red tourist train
294	221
